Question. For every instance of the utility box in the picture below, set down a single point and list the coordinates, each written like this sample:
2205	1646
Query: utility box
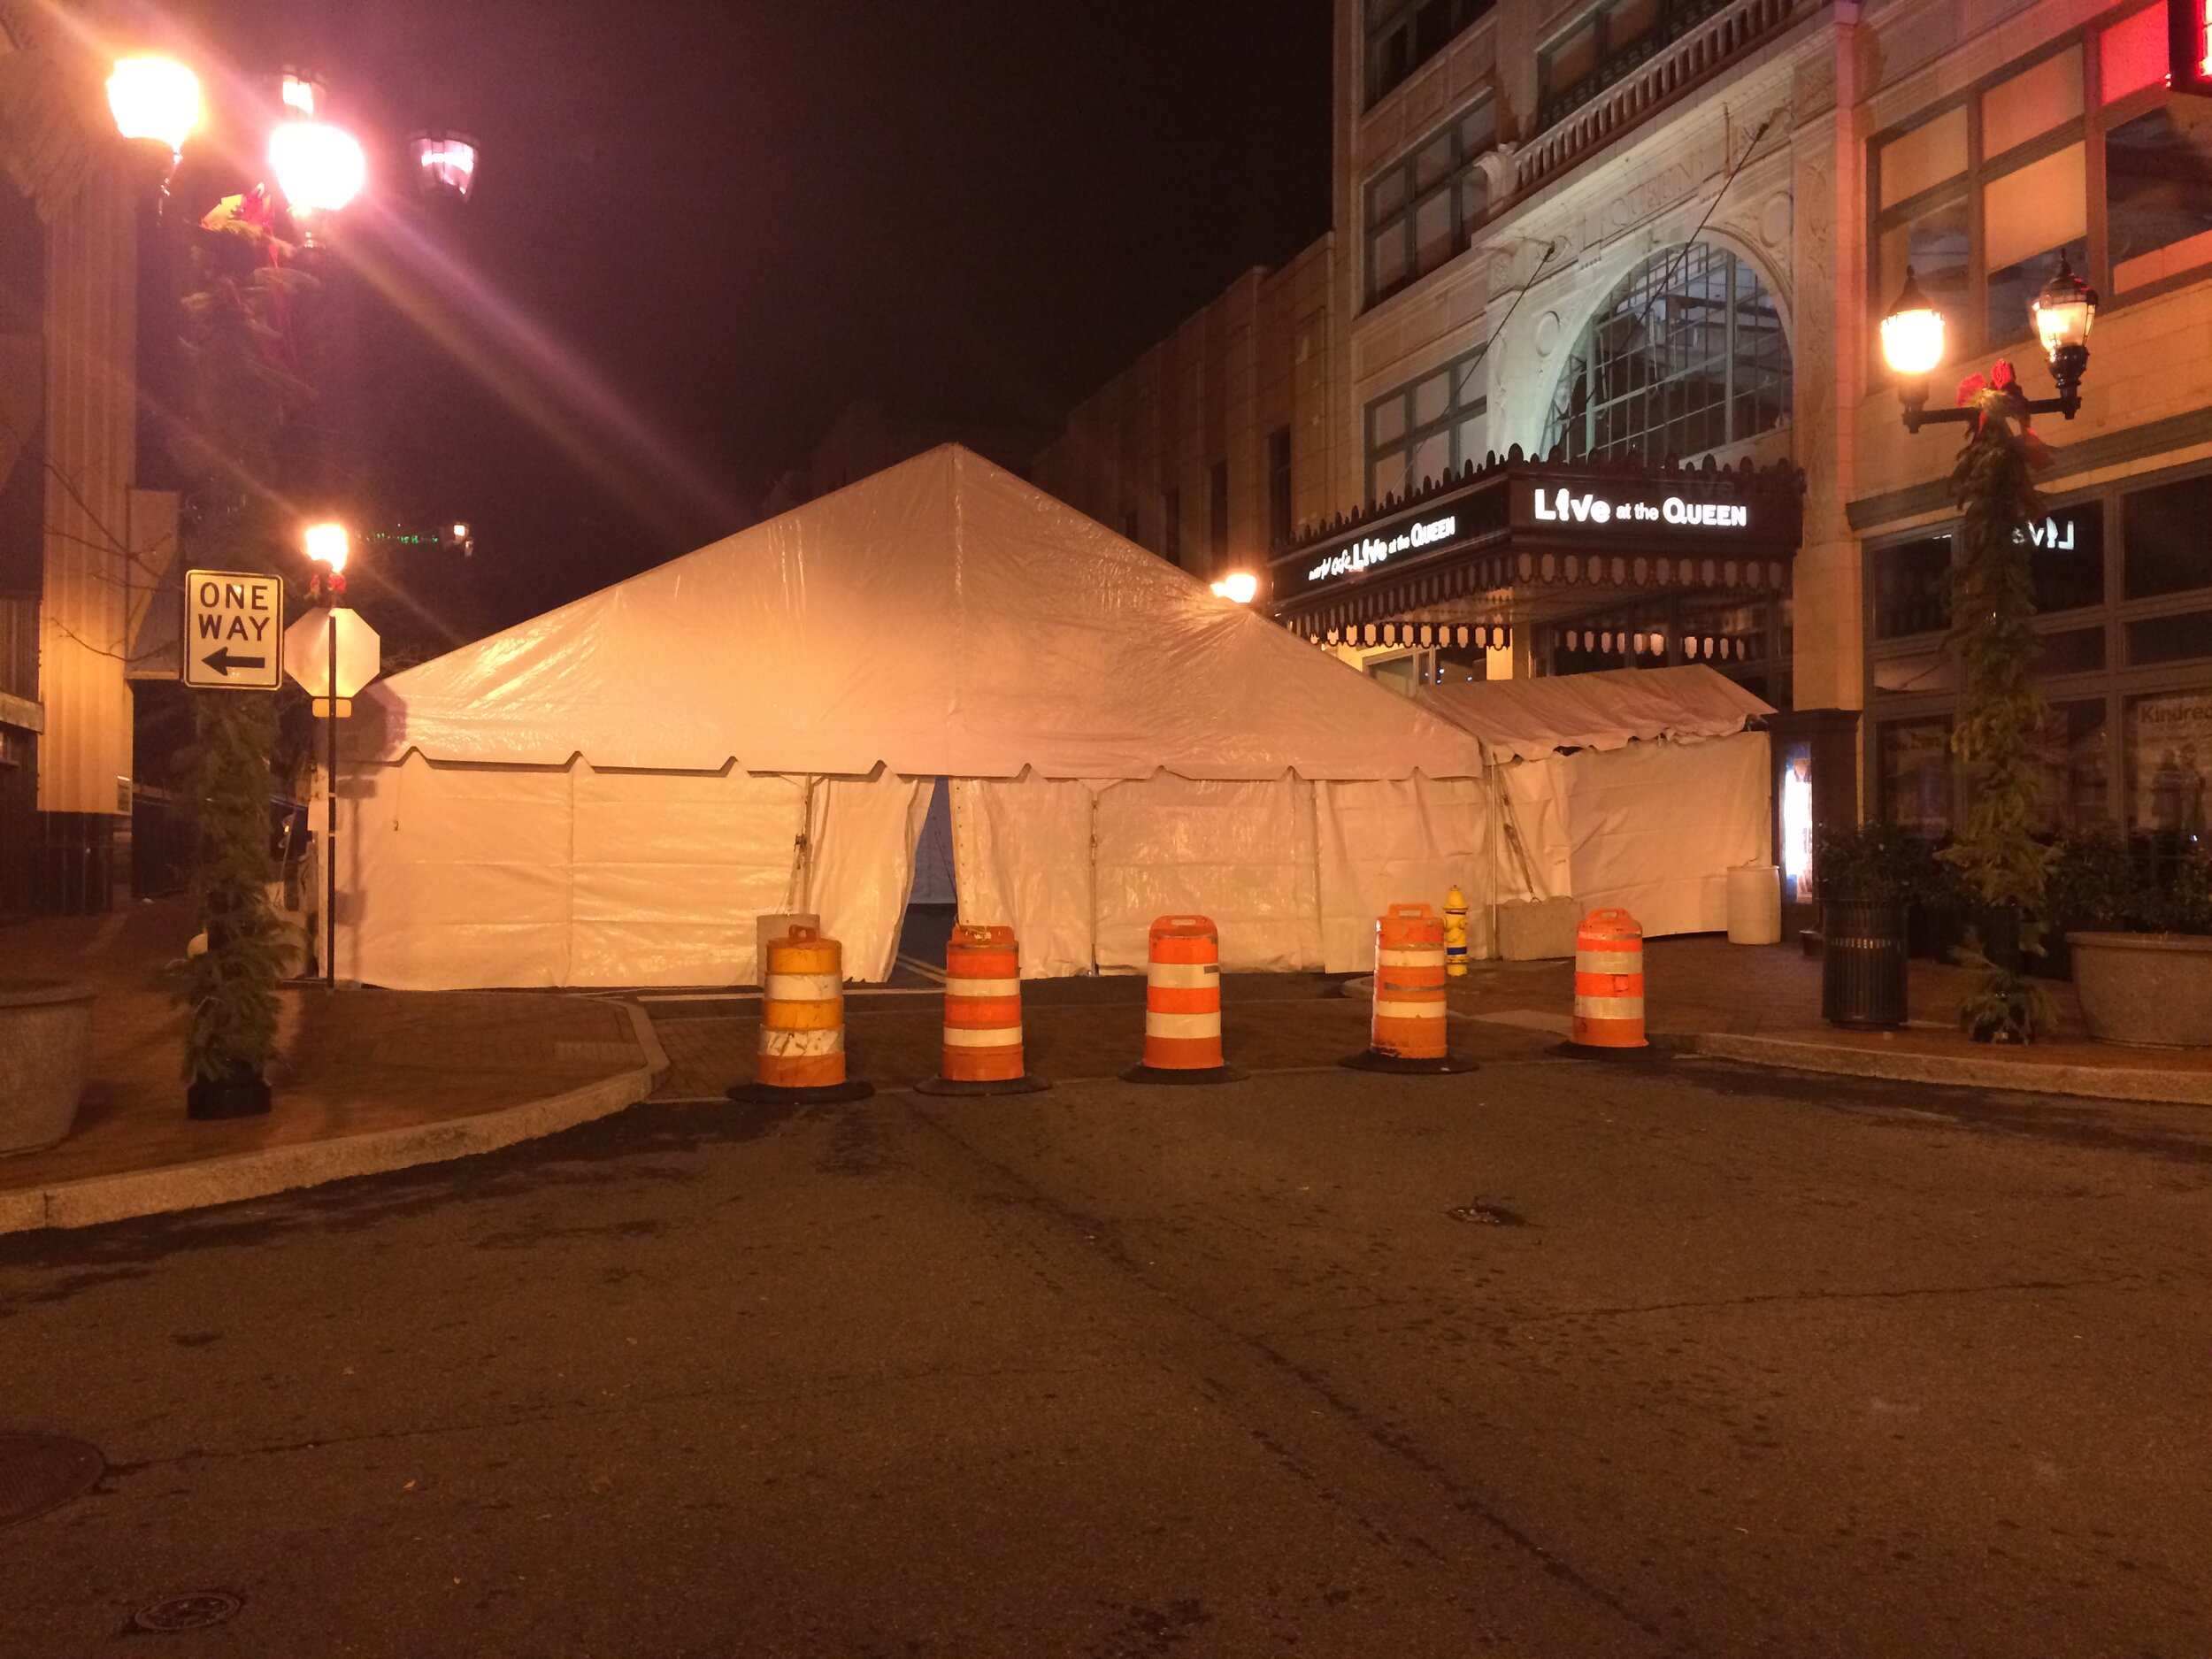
1532	930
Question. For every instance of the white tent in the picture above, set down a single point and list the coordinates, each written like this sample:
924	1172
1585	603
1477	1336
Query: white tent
609	794
1635	787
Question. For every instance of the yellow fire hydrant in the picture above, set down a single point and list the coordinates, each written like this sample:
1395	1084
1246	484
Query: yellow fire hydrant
1455	934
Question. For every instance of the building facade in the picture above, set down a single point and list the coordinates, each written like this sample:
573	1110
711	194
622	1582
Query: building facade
1630	258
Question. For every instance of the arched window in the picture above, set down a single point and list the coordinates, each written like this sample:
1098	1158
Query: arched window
1686	356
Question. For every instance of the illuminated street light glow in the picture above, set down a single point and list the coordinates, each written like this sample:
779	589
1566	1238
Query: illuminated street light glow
155	99
1237	587
319	167
444	162
1912	333
2063	312
302	94
460	533
329	543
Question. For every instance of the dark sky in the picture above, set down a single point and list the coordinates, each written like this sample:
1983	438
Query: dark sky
702	228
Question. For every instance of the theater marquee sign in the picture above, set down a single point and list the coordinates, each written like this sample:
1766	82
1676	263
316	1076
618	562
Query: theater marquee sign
1520	523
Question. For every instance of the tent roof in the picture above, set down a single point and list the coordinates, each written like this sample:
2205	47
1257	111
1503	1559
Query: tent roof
1525	719
940	618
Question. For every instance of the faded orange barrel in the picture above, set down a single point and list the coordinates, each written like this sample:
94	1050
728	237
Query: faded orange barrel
1182	995
802	1012
1409	974
1609	981
983	1005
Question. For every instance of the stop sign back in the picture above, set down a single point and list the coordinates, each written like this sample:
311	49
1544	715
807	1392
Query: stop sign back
307	652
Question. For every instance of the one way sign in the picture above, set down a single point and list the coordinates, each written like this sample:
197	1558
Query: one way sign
234	630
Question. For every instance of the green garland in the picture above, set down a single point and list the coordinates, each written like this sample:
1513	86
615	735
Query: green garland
2002	712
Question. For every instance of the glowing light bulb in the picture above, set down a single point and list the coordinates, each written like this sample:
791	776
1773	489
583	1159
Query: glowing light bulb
154	98
321	168
329	543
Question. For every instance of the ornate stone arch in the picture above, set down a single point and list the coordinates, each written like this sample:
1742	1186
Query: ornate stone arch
1687	350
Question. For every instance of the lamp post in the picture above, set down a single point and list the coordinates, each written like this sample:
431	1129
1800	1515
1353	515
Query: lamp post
1991	636
327	545
1913	342
155	102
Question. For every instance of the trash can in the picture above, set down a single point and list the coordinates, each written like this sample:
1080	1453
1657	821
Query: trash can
1754	905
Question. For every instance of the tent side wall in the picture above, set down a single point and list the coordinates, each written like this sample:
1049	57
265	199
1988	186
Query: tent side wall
1652	828
456	877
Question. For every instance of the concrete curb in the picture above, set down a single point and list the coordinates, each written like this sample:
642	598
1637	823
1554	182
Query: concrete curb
100	1198
2088	1082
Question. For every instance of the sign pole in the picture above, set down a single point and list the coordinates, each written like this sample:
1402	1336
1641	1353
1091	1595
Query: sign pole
330	808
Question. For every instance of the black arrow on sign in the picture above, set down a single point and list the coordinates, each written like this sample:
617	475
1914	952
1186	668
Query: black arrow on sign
221	660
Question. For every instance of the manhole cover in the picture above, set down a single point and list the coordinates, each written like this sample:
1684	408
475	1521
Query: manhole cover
1487	1215
195	1611
39	1471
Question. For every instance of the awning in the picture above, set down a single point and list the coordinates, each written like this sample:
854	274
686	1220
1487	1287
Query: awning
1525	719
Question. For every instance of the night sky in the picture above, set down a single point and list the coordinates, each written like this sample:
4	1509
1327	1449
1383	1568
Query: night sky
702	228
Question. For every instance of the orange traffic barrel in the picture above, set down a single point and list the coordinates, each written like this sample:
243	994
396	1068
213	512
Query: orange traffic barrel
1182	1005
801	1055
1609	1018
1408	1031
983	1015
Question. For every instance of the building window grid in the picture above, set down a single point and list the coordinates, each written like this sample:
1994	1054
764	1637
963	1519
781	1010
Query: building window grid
1941	230
1279	499
2091	708
1426	429
1435	188
1403	35
1689	355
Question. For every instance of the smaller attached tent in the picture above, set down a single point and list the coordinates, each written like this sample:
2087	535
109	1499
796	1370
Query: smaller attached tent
609	793
1635	787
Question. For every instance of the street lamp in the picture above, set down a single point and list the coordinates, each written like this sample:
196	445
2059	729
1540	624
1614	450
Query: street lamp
445	165
155	100
1912	344
318	167
1237	587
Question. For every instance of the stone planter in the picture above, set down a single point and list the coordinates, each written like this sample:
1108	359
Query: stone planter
45	1050
2151	990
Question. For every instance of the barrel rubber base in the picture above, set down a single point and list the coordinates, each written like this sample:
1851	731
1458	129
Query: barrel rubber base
1398	1065
826	1093
1643	1054
984	1087
1182	1074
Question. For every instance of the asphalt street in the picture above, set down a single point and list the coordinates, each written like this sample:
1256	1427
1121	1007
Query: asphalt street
1548	1359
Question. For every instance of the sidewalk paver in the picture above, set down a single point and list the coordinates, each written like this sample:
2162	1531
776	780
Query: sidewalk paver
363	1080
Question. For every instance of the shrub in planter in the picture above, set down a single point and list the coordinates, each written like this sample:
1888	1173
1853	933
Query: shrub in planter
2142	949
1861	871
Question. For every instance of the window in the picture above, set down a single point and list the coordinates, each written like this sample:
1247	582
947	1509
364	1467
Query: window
1423	208
1686	354
1427	429
2023	157
1603	44
1217	513
2123	650
1403	35
1172	526
1279	527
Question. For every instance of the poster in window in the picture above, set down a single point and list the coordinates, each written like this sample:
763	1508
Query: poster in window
2172	739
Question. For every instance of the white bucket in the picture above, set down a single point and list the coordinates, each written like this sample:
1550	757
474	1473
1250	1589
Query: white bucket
1754	905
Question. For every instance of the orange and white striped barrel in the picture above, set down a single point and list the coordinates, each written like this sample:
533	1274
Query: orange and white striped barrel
1182	995
802	1012
983	1005
1409	1019
1609	981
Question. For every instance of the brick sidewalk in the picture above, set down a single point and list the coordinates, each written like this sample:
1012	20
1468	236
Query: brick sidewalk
1749	1001
353	1065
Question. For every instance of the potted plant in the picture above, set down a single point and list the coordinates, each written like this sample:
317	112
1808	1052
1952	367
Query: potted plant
1862	893
2142	949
